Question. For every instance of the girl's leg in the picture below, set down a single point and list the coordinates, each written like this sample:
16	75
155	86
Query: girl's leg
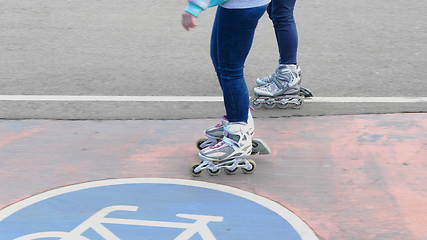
282	15
233	33
234	30
214	48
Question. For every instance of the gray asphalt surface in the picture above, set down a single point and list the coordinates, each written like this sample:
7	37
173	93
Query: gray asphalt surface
138	48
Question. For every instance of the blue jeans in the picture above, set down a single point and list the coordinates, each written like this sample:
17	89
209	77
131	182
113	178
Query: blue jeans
281	12
232	37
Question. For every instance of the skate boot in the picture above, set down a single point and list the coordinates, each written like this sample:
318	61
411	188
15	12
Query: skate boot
231	153
297	69
283	90
215	134
268	79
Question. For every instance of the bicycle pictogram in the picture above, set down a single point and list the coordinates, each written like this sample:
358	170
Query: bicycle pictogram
96	221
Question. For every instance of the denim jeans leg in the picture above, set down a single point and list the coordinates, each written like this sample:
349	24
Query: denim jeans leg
234	29
282	15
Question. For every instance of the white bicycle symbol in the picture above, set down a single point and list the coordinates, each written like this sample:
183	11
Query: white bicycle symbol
96	221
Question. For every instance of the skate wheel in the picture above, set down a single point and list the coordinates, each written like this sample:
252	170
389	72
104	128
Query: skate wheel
251	170
270	105
256	104
214	173
200	142
282	105
230	172
298	104
194	172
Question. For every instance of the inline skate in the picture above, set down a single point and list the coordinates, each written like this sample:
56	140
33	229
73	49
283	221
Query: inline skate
215	134
230	154
282	89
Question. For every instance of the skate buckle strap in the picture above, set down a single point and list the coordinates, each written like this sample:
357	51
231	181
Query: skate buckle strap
279	83
230	141
217	145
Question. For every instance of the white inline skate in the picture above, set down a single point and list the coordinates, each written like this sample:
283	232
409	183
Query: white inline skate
230	154
215	134
282	89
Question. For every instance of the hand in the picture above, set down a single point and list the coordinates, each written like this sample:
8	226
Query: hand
188	21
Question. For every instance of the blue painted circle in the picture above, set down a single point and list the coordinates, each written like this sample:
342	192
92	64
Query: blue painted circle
158	203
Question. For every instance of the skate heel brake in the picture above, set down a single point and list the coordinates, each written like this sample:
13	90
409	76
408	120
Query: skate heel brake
260	147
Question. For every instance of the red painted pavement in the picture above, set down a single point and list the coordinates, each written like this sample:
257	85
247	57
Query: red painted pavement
349	177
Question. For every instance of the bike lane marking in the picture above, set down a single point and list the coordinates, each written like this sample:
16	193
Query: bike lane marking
183	201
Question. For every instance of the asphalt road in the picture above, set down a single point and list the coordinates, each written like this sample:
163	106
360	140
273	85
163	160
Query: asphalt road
138	48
